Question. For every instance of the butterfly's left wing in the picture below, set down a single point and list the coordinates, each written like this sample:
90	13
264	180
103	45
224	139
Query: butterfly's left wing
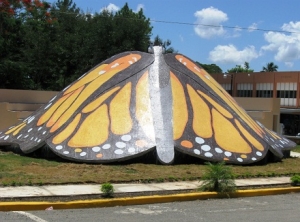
81	122
209	124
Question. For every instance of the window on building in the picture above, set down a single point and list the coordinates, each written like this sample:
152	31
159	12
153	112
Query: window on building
244	89
227	87
287	92
264	90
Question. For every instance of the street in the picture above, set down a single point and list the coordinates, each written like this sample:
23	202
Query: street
266	208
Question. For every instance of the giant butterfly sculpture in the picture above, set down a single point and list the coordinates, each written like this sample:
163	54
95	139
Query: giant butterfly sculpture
136	102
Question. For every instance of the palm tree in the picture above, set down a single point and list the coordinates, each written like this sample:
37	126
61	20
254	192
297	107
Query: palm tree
271	67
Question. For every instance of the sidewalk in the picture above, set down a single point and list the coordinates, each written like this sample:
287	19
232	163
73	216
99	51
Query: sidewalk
67	190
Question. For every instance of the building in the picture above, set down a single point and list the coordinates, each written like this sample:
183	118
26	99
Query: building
283	86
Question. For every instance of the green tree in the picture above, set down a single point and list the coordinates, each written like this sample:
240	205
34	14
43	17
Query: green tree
239	68
210	68
12	69
131	31
43	47
166	44
68	43
37	21
270	67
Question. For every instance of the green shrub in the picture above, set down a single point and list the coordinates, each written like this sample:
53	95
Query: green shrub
219	178
107	189
295	180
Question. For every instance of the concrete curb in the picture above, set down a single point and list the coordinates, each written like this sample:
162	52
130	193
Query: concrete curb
30	206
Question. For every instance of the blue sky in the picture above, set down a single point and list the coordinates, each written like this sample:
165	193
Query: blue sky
229	31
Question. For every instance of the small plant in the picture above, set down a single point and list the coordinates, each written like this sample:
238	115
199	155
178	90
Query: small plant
159	180
295	180
219	178
107	189
5	184
172	179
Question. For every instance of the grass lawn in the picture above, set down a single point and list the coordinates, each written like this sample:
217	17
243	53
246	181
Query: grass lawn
16	170
297	149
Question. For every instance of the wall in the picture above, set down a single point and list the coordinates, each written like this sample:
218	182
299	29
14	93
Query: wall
264	110
16	105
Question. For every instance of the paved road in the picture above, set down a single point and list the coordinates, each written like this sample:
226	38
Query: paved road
269	208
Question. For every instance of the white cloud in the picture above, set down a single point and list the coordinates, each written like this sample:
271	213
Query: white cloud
111	8
210	20
289	64
285	45
229	54
252	27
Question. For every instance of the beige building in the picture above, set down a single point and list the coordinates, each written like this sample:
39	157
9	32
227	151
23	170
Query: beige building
16	105
282	86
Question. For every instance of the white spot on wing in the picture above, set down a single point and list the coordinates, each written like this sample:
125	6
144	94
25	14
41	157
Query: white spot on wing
96	149
131	150
199	140
121	145
240	159
228	154
208	154
196	151
52	99
126	138
66	88
82	154
30	120
106	146
59	147
258	153
218	150
115	65
118	151
48	106
205	148
196	68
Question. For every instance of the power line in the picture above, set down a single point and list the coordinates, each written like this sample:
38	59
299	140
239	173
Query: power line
224	26
192	24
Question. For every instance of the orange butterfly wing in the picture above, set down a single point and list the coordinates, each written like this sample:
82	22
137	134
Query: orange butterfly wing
209	124
98	107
